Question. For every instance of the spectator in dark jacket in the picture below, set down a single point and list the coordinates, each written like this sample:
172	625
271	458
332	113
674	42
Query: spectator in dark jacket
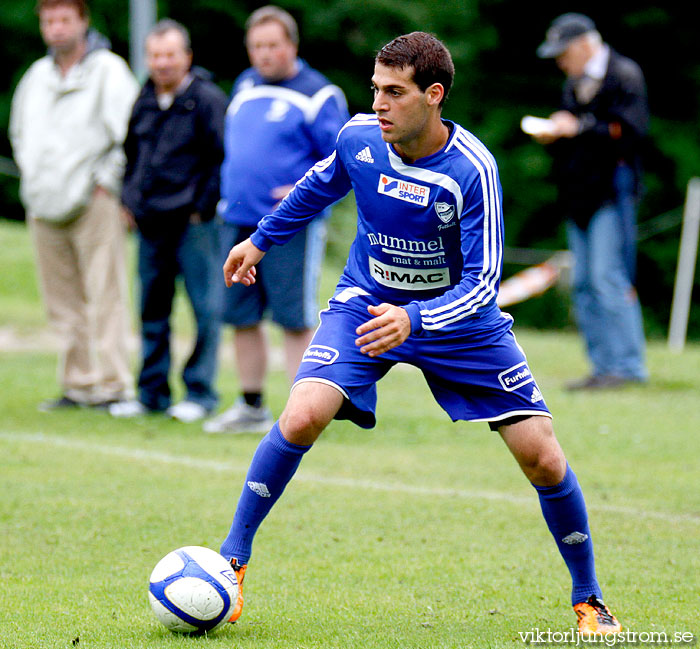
596	140
174	148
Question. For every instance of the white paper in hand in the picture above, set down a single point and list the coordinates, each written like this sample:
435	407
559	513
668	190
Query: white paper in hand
536	125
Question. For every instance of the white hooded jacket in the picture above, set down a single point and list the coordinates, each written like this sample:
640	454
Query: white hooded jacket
67	132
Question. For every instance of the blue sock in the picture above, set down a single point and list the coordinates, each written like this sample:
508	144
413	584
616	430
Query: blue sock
564	509
272	467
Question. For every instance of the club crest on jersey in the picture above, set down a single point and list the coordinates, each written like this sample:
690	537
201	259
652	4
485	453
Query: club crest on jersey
404	191
320	354
445	211
277	111
515	377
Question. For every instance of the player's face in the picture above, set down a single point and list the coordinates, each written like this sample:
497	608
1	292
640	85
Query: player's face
271	52
168	60
401	106
62	28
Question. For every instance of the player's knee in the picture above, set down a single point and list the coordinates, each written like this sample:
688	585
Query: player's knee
302	425
541	458
546	467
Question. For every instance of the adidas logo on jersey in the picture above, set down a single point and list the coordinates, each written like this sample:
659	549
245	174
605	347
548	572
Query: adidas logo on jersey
536	395
259	488
365	155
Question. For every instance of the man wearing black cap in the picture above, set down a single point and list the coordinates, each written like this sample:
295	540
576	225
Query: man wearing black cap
596	140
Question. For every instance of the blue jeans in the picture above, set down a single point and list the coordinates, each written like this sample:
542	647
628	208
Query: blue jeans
626	201
191	250
607	309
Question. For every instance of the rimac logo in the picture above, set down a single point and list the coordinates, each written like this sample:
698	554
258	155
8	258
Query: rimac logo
515	377
320	354
404	191
445	211
409	278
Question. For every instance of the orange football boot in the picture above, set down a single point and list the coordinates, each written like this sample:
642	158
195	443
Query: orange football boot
239	571
595	617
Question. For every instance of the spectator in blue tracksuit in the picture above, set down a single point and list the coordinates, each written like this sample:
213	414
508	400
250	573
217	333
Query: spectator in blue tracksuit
284	116
174	149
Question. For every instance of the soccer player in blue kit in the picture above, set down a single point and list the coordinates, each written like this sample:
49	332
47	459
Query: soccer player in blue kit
419	287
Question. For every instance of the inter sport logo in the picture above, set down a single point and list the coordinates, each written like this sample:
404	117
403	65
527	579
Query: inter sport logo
404	191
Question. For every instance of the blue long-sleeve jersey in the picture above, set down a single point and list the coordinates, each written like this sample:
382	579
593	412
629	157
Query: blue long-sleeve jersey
273	133
429	234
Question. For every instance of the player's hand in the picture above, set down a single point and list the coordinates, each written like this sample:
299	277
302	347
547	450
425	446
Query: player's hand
387	330
240	264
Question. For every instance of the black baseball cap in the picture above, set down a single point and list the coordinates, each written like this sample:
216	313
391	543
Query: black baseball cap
562	31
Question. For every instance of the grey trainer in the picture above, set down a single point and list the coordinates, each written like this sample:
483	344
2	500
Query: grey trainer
240	418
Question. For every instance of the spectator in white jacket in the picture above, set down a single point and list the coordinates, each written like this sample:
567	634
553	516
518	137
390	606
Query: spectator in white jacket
68	121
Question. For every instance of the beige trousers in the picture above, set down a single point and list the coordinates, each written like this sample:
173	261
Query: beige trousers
82	277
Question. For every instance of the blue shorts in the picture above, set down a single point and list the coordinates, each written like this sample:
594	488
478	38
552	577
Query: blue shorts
286	285
481	375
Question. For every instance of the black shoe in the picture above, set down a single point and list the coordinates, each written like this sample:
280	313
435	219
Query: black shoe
597	382
62	403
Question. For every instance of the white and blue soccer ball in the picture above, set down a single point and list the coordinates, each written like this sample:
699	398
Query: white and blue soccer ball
192	590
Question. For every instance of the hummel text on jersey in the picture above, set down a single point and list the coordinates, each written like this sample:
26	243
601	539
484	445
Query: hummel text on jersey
411	279
365	155
409	247
404	191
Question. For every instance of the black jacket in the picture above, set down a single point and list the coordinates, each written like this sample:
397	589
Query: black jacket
173	156
614	124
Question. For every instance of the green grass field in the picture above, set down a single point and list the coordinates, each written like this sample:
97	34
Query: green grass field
419	534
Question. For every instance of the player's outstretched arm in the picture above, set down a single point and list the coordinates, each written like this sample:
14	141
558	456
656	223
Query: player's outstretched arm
387	330
240	263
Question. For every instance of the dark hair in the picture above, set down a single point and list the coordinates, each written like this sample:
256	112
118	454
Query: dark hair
271	13
168	25
79	5
428	56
